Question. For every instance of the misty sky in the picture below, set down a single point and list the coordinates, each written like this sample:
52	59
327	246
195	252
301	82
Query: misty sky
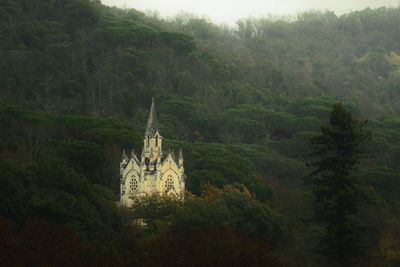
228	11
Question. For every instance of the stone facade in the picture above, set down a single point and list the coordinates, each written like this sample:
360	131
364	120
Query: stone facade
152	173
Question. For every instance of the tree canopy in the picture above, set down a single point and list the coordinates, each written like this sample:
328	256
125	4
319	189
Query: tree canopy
76	80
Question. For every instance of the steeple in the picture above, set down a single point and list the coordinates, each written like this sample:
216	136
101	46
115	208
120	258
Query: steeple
152	142
152	124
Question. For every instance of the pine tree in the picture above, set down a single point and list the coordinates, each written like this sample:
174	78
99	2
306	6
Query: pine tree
336	191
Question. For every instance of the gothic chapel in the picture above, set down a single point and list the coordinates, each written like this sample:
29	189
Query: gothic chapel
153	173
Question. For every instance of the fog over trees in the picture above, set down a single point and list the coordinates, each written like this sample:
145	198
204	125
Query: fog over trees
221	11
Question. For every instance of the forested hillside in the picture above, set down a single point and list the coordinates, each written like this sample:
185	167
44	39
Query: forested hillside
76	81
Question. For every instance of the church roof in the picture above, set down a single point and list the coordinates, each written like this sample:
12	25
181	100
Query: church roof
152	124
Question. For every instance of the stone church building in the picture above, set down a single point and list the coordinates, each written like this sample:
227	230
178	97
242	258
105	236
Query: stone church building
153	173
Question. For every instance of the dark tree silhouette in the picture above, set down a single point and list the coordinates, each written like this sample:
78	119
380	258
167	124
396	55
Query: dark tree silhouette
336	191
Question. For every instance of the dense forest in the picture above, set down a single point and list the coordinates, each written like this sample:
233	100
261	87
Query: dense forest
250	106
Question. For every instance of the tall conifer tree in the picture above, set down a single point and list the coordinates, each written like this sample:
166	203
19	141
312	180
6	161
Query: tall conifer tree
336	191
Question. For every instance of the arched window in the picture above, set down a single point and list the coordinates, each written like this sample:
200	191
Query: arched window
148	141
156	140
169	184
134	185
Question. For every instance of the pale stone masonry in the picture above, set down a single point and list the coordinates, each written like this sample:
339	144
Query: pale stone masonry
153	173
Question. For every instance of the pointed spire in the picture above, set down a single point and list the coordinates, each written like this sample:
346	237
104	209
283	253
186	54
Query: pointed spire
124	156
152	124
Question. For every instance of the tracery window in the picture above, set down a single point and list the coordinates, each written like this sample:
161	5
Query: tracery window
169	184
133	185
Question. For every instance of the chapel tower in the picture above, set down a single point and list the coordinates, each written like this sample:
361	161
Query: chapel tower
153	173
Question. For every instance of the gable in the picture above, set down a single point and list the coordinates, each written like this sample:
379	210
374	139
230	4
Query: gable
132	166
169	163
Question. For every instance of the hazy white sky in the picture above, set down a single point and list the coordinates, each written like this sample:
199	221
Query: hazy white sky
228	11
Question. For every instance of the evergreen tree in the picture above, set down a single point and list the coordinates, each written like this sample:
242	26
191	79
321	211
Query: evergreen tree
336	190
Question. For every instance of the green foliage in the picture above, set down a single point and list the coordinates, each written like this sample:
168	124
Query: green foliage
83	156
199	215
384	180
16	185
215	210
242	103
253	218
53	191
336	191
211	227
155	212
